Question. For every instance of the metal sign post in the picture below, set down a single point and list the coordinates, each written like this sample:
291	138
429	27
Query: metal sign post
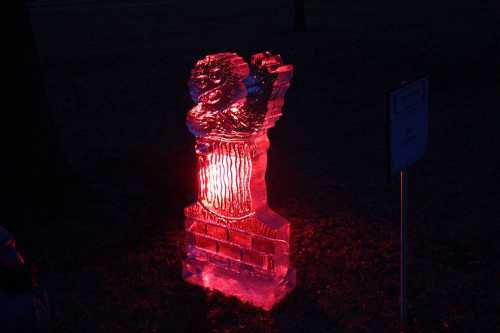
404	251
407	137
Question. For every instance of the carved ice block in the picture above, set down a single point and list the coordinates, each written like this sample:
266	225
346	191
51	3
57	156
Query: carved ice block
235	243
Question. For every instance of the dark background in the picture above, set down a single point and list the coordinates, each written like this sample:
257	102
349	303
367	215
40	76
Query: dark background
105	163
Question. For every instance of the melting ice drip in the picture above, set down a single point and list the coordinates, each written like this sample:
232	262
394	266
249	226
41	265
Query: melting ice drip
235	242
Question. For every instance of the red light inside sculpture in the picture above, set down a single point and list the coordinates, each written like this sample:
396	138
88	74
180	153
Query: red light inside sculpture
235	242
224	179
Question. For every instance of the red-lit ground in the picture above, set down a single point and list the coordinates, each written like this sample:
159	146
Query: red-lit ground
111	259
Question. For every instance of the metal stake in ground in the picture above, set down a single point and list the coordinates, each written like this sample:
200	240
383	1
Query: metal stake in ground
407	137
404	251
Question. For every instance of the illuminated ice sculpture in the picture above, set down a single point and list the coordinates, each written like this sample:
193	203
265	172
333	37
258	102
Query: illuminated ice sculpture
235	243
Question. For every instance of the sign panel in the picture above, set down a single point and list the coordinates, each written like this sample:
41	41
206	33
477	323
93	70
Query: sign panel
408	124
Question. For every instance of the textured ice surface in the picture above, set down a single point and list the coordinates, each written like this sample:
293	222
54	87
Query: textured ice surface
235	100
235	242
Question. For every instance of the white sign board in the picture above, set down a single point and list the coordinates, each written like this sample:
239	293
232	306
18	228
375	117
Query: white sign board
408	124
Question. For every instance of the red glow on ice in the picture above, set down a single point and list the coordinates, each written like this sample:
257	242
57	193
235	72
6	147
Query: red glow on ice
224	179
235	243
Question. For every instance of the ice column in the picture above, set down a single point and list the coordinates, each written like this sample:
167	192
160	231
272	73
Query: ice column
235	243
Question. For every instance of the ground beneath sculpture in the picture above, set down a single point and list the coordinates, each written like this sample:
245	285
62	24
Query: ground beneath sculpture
112	259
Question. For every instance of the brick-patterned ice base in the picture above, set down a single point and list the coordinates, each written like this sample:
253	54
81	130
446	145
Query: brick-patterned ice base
247	258
261	290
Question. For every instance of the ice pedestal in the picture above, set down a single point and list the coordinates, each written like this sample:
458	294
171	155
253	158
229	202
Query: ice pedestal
236	262
234	242
248	259
260	290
